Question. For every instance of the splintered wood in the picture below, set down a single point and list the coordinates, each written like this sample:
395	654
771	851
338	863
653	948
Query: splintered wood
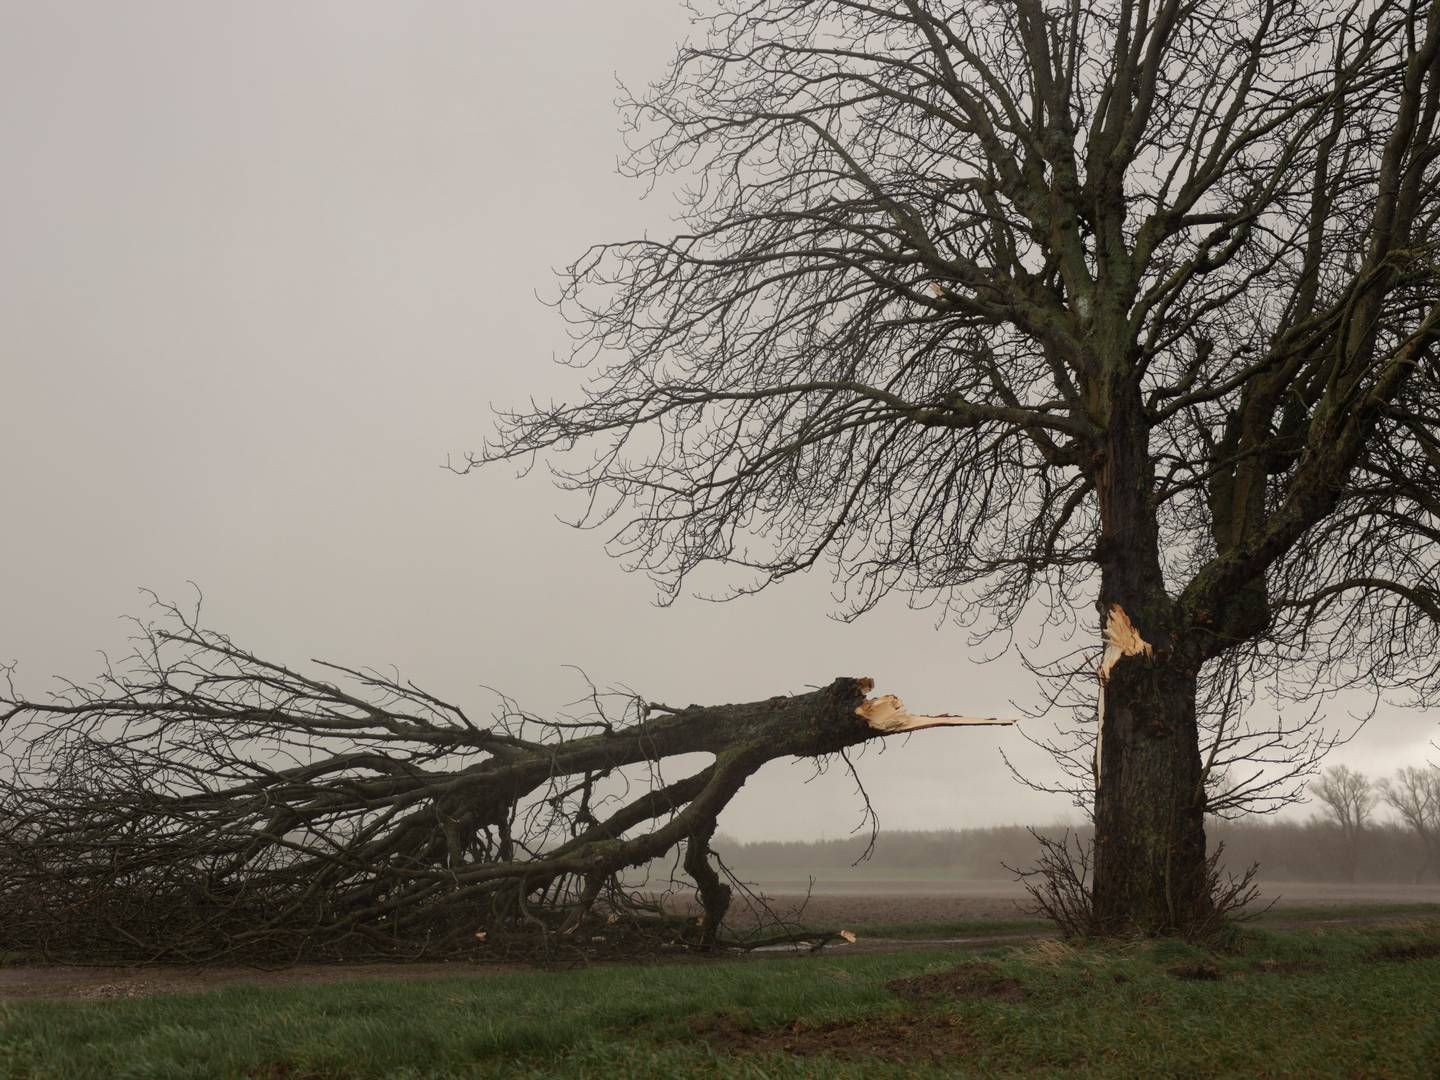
886	714
1121	639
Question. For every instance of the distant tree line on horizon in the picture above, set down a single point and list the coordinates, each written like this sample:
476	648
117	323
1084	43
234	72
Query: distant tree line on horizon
1346	840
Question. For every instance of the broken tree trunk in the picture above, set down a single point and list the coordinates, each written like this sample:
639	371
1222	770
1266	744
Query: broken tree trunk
204	803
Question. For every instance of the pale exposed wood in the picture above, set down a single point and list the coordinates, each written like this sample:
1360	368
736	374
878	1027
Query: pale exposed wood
1121	640
886	714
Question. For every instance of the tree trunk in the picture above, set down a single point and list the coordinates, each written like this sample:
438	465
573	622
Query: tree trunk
1150	870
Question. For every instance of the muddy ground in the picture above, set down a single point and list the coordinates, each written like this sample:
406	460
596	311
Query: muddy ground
828	905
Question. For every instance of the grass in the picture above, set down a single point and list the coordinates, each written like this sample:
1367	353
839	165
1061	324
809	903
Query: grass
1327	1002
1333	912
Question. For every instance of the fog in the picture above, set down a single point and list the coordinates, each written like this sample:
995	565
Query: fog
264	267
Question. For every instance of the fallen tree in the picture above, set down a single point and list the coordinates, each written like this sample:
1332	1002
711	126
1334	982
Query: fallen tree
202	803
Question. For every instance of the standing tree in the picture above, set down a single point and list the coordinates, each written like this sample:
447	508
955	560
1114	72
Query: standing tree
1348	797
1057	302
1414	794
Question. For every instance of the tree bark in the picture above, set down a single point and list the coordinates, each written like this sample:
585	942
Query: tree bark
1150	858
1150	865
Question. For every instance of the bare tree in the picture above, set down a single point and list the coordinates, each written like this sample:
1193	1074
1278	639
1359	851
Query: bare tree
199	802
1348	797
1044	302
1414	794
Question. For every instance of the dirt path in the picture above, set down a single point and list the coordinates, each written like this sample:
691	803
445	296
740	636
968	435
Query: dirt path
985	941
63	982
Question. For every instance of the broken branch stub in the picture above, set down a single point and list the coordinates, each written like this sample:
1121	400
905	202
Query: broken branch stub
887	715
255	812
1121	639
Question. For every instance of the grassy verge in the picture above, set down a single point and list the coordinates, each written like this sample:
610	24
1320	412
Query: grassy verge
1357	1001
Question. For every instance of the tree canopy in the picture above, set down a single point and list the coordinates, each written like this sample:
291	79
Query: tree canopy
934	252
1055	302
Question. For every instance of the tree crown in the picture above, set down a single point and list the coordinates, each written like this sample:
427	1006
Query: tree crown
984	300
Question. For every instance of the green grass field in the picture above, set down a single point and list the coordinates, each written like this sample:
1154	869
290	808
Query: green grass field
1304	1003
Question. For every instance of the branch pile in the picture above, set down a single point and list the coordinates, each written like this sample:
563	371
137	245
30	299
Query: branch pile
203	803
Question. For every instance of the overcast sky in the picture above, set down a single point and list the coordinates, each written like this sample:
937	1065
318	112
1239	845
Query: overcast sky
263	266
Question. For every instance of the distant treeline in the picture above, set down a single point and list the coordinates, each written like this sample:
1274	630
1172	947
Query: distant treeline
1286	851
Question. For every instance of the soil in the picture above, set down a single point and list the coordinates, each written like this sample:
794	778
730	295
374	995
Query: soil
1288	967
1420	950
928	1039
1201	972
978	980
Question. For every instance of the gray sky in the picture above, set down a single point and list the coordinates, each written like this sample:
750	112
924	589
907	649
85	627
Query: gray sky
263	266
